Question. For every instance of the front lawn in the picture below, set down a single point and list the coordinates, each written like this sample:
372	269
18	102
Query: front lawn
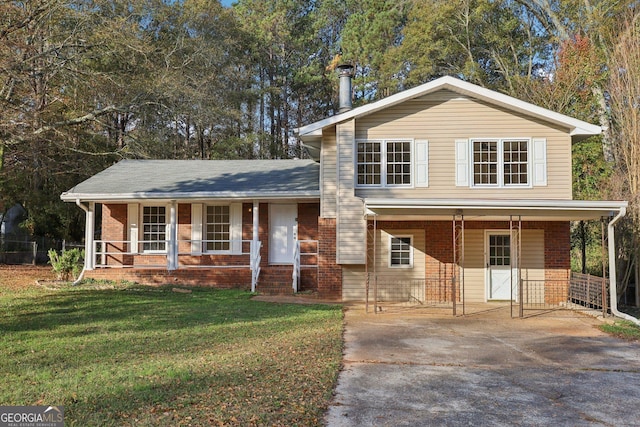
137	356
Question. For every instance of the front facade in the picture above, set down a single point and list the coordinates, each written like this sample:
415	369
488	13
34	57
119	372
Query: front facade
445	192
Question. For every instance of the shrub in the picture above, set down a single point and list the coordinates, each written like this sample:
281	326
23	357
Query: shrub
68	264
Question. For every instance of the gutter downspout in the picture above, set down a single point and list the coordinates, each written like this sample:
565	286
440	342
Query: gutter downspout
613	290
87	242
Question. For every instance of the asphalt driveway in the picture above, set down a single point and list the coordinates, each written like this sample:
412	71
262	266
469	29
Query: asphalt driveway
487	369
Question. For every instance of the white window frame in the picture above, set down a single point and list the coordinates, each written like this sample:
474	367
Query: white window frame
390	247
500	163
383	163
199	228
167	221
205	231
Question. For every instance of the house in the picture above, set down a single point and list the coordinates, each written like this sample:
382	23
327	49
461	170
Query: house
444	192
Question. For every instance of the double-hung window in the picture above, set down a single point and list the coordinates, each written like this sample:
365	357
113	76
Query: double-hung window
217	228
501	162
400	252
154	228
384	163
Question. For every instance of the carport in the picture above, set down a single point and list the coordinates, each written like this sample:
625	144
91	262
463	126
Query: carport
512	218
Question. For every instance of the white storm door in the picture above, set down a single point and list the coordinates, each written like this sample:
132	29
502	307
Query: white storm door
499	262
283	232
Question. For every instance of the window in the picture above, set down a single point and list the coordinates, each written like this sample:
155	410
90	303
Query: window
501	162
369	162
154	228
384	163
218	228
499	250
400	251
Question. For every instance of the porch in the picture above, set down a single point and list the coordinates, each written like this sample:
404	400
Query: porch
448	254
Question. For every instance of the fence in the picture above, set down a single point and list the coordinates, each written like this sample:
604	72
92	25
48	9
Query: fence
581	291
31	250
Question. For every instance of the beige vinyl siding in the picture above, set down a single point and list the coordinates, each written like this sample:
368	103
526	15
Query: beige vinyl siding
328	176
351	225
354	277
532	266
354	283
444	117
474	266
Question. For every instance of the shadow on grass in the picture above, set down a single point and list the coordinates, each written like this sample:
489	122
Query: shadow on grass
149	309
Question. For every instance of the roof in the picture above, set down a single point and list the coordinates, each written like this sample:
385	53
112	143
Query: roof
486	209
577	128
200	179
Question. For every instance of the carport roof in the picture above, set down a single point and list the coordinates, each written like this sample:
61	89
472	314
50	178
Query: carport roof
484	209
200	179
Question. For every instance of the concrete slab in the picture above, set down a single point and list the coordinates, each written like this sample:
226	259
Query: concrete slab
429	368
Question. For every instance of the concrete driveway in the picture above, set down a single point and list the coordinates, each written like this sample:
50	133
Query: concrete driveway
419	369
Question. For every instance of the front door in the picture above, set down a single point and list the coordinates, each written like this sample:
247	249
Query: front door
499	263
282	233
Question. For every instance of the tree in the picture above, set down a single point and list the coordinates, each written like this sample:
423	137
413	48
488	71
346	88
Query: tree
624	94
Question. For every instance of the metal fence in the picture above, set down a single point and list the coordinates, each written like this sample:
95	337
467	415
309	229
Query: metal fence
431	292
580	291
31	250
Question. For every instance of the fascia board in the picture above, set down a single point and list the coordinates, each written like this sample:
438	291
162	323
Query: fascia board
599	205
72	197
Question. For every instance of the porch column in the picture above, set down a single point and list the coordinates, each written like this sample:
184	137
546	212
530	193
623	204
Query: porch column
172	244
89	251
255	248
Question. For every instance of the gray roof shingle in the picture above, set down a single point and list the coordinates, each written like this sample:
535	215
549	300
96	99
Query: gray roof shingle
162	179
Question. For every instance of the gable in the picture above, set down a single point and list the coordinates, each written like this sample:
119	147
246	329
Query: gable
578	129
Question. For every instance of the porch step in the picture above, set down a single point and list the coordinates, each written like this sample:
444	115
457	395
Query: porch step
274	288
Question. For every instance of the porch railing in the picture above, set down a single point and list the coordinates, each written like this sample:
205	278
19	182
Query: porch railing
305	255
120	253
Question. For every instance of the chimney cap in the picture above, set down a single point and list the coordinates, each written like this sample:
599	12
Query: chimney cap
345	70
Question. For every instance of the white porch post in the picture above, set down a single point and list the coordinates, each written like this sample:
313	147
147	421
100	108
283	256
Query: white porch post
89	230
254	245
172	244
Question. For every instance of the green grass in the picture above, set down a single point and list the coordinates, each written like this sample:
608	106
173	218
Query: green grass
140	356
623	329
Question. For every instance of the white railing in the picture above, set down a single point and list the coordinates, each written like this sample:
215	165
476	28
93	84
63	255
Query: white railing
255	263
155	254
299	254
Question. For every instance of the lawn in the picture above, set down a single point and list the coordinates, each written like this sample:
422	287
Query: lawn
132	355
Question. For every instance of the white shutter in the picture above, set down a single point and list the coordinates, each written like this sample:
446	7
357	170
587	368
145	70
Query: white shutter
422	163
462	163
133	218
196	228
539	162
235	217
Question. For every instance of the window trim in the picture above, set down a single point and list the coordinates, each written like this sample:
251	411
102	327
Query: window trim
383	162
167	223
204	242
390	249
500	163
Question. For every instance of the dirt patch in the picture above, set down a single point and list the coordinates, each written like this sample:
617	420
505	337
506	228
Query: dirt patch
16	277
294	299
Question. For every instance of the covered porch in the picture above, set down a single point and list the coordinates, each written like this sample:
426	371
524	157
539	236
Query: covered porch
450	253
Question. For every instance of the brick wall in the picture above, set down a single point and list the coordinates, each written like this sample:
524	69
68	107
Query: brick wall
329	273
273	279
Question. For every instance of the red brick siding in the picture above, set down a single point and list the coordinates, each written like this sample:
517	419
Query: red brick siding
273	279
329	273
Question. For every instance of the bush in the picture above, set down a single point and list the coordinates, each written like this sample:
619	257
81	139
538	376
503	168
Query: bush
68	264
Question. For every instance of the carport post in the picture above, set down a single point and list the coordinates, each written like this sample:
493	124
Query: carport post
375	274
